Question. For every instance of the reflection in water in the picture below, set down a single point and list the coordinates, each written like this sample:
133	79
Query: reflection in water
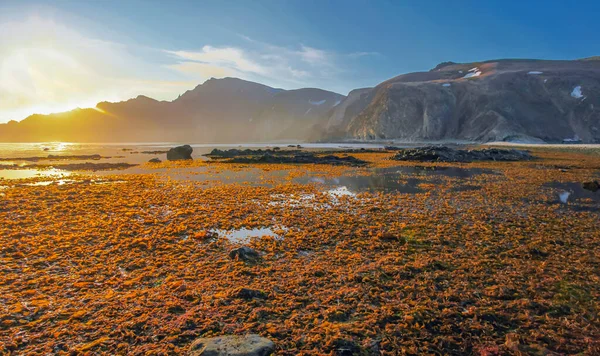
575	191
564	197
399	179
48	182
32	173
244	235
340	192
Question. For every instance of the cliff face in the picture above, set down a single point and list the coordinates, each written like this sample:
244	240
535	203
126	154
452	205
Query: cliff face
504	100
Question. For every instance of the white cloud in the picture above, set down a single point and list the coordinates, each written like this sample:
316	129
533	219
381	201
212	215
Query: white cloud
287	67
227	57
314	56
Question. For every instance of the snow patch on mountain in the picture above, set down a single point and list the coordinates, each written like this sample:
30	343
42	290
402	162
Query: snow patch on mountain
321	102
473	72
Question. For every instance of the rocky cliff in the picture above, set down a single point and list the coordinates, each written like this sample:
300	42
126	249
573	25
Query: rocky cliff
500	100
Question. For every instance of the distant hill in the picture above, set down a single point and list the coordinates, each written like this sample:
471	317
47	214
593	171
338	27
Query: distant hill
219	110
497	100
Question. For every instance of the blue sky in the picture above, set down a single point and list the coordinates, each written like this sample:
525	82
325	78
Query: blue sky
62	54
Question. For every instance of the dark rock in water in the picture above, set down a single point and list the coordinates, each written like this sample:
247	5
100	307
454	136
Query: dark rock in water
592	186
217	153
447	154
283	157
247	293
303	158
392	148
155	160
157	152
245	254
180	153
232	345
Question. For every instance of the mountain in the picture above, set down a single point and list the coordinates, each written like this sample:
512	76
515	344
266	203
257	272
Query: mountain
498	100
219	110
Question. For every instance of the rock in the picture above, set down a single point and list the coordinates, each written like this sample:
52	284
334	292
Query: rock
232	345
231	153
447	154
247	293
302	158
593	186
155	160
180	153
245	254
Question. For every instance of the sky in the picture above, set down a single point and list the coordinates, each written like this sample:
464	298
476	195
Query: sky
59	55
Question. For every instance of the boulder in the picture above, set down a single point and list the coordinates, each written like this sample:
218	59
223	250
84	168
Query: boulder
232	345
180	153
447	154
245	254
155	160
248	294
593	186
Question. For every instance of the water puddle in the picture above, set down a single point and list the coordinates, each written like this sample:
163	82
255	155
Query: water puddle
244	235
53	182
573	196
341	191
572	192
397	179
32	173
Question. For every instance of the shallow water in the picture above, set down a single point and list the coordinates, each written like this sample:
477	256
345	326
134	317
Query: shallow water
244	235
132	152
401	179
575	191
32	173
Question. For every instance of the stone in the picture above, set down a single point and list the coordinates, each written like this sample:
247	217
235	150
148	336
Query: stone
155	160
593	186
232	345
245	254
180	153
247	293
447	154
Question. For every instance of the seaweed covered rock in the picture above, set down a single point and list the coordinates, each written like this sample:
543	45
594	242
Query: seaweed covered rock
232	345
234	152
447	154
245	254
593	186
180	153
302	158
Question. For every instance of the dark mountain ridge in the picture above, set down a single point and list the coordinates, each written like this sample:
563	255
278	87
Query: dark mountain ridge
219	110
